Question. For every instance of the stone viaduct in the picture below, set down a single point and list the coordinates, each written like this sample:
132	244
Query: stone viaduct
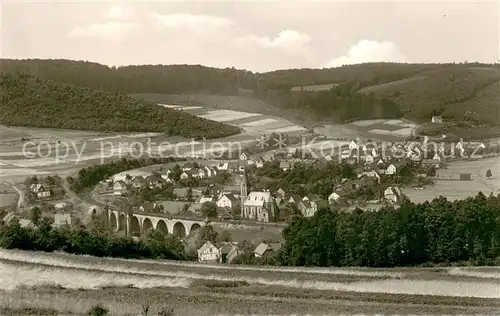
137	224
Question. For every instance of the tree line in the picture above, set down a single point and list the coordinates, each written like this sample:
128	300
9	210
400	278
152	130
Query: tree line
439	232
91	176
82	241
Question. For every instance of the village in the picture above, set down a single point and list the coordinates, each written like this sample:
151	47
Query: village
271	187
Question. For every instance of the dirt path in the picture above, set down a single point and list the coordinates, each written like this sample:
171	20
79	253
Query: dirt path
20	200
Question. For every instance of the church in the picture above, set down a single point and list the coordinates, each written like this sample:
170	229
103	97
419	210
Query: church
257	206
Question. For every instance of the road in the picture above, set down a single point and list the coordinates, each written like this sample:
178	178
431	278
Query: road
20	192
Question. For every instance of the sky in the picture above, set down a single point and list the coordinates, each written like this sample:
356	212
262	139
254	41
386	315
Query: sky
252	35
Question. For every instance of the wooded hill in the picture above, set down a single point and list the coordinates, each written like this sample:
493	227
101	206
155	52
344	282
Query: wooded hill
31	101
374	90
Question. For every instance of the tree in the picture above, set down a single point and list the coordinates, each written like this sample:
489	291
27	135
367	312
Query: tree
209	209
225	236
488	173
206	233
34	214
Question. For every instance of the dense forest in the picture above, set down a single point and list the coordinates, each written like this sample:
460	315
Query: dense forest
438	232
31	101
415	91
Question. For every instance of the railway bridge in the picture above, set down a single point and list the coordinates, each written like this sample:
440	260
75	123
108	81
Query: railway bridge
137	224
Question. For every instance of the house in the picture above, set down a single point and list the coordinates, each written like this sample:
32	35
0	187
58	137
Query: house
233	253
244	155
437	119
307	208
431	163
138	182
40	190
269	157
223	166
280	193
391	170
36	187
392	195
259	162
294	200
265	250
328	158
333	198
209	171
26	223
166	178
285	165
351	160
119	187
147	207
353	145
259	206
227	248
62	220
188	166
372	174
227	201
185	175
198	173
368	159
208	253
204	199
345	154
154	181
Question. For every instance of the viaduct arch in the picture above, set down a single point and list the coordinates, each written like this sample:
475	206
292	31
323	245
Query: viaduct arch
140	224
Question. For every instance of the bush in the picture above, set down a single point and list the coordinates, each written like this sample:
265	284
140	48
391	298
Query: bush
97	310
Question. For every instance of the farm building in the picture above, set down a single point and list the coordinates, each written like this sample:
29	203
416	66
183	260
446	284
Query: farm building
437	119
447	175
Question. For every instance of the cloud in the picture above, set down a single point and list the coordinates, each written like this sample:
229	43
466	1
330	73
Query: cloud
119	13
366	51
191	22
112	30
290	40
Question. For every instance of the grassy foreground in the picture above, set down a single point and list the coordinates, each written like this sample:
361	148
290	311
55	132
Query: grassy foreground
207	298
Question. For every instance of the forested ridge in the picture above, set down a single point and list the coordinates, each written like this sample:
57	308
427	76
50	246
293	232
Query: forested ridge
30	101
444	88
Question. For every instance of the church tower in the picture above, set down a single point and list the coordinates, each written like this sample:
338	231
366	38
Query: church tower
243	191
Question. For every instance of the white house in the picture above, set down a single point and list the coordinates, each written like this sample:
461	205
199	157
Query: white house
374	152
208	253
185	175
392	195
353	145
204	199
334	197
223	166
328	158
226	201
210	172
345	154
437	119
187	166
436	157
391	170
307	208
119	187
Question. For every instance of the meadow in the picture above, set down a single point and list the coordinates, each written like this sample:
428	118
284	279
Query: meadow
72	284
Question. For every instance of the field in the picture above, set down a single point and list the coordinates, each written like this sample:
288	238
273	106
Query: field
250	122
72	284
453	190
